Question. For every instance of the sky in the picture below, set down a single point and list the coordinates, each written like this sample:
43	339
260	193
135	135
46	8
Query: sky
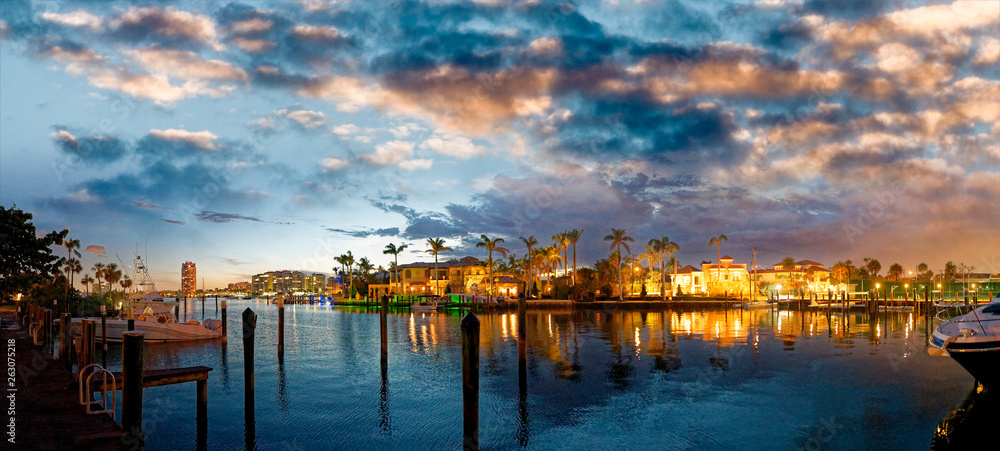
256	136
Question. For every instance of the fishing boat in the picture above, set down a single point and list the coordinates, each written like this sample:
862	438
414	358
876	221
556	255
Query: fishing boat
150	315
971	339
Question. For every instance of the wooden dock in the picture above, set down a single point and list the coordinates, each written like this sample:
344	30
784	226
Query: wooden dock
48	415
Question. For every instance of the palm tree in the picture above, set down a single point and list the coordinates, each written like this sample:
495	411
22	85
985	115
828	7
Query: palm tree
73	266
99	272
112	274
491	245
349	261
572	237
125	283
71	249
437	246
365	267
672	248
551	257
895	272
717	241
87	280
561	243
529	242
394	250
654	255
618	238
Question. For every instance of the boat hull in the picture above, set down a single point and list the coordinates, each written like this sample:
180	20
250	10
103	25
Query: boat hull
152	331
981	363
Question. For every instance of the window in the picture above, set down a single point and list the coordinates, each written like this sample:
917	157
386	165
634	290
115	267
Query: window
407	273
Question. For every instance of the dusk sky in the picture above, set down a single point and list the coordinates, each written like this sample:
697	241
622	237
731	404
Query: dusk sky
256	136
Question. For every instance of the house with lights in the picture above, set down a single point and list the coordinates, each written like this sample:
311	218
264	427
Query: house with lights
807	275
466	275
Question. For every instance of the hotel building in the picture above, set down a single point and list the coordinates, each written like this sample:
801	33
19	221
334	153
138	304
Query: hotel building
287	281
189	280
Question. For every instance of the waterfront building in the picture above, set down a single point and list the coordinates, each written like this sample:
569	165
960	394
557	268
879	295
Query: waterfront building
725	277
689	280
806	275
466	275
189	280
295	282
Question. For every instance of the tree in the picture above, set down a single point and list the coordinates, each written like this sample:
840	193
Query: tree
530	242
950	270
562	244
394	250
658	246
25	258
71	264
87	280
437	246
99	273
573	236
895	272
112	275
841	271
125	283
619	238
788	264
349	260
491	245
873	267
717	241
922	271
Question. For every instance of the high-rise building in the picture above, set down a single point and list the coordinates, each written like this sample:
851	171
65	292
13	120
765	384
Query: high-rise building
287	281
189	280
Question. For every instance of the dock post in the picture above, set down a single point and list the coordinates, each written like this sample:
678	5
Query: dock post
86	343
104	336
249	326
131	325
281	330
132	374
202	415
66	341
383	324
470	382
177	312
224	323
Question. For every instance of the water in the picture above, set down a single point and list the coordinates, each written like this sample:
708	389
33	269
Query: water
604	379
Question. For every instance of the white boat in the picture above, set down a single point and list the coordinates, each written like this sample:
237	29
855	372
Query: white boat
155	319
972	340
151	315
428	304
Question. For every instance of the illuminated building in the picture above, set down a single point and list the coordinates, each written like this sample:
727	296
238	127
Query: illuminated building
189	280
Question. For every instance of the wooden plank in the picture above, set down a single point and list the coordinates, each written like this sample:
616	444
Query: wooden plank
156	378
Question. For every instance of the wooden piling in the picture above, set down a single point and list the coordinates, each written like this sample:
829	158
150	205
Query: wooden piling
132	375
131	325
249	327
202	415
383	326
470	382
87	330
224	323
104	336
281	331
66	341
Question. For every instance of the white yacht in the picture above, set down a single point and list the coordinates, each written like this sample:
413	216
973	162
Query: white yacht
972	340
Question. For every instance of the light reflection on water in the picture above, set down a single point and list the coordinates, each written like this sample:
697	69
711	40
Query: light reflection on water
677	379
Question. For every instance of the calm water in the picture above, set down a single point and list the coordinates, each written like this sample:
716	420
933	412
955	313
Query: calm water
675	379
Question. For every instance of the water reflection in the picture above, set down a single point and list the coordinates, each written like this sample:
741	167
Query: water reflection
686	378
971	424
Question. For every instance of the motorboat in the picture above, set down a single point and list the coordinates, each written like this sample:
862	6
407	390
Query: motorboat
151	315
426	304
973	340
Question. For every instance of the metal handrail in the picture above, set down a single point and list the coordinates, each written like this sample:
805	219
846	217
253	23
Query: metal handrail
86	395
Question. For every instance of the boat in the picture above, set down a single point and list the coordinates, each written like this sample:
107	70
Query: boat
426	304
150	315
971	339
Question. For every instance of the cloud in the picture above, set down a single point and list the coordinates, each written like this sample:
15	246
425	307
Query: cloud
221	218
79	18
203	139
252	25
306	118
368	232
171	221
168	24
96	250
334	164
390	153
253	45
185	65
346	129
316	33
454	146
